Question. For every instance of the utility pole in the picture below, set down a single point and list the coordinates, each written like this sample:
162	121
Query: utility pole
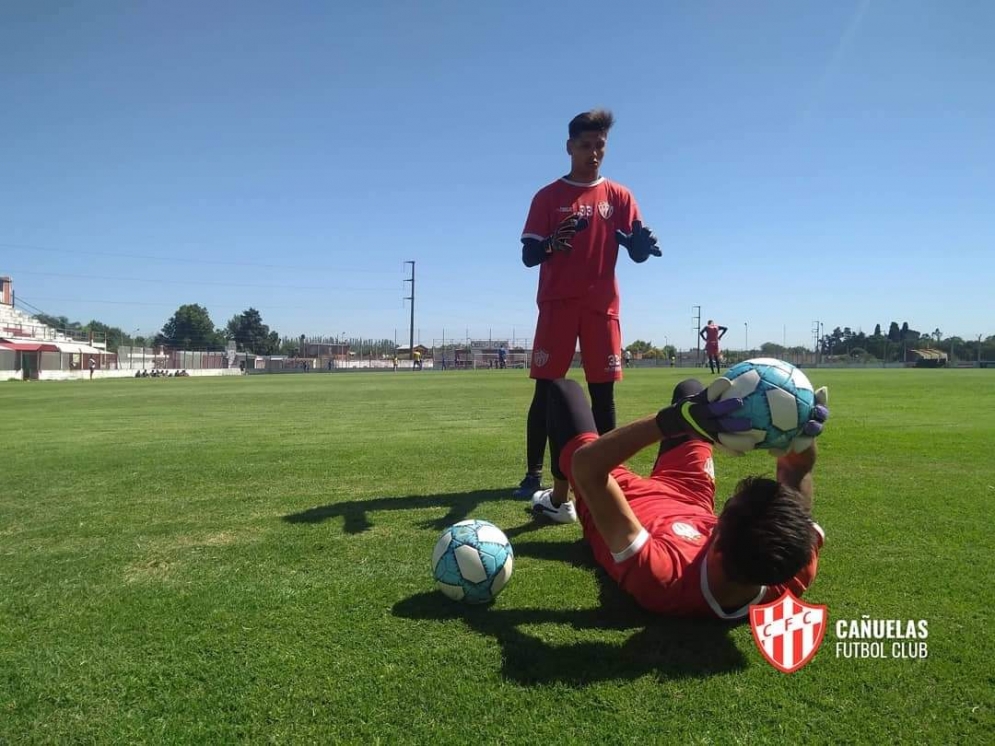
815	340
411	328
696	317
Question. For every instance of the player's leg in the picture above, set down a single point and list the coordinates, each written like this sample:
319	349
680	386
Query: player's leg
552	352
535	440
603	405
569	415
601	347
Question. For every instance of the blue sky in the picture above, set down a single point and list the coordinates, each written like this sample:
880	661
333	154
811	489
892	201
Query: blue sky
799	161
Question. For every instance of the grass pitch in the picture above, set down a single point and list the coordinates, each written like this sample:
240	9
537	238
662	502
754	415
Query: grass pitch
212	560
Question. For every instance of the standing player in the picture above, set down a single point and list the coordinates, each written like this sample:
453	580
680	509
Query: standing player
712	333
658	537
574	228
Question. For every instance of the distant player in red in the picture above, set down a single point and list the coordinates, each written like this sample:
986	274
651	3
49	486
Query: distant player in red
658	536
712	333
574	228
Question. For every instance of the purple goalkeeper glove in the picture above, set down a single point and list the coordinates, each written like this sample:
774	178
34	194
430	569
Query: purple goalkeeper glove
814	426
641	243
697	417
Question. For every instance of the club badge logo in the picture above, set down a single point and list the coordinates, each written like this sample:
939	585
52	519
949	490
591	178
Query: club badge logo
540	358
605	210
788	632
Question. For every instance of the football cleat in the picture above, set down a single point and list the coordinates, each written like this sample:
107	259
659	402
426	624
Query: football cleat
542	507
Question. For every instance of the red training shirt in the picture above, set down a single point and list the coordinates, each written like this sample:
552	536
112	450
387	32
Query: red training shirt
676	507
587	272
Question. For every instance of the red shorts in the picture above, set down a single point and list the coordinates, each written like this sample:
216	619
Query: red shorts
712	349
560	324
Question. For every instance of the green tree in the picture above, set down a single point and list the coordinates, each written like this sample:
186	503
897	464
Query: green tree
877	330
639	347
190	328
894	333
250	334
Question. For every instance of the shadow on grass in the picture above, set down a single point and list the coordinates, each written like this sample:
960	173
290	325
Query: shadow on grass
662	647
666	648
356	513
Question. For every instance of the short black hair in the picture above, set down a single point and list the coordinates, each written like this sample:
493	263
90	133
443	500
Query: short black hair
765	534
596	120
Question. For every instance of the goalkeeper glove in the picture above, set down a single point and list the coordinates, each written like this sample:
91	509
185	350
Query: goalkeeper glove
697	417
641	243
562	238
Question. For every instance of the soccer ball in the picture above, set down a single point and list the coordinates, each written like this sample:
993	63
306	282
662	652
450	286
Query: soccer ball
778	399
472	561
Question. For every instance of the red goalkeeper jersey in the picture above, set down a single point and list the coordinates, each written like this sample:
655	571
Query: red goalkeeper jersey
667	574
587	272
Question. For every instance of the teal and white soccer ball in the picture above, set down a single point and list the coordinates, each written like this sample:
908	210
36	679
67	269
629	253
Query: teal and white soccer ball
472	561
778	399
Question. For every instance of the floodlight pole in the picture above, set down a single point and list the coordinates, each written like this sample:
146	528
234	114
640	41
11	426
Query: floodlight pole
411	329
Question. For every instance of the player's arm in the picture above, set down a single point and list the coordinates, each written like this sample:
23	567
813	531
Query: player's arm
638	240
591	470
703	334
536	250
722	331
795	470
593	462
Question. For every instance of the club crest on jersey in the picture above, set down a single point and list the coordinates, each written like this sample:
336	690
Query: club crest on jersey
540	358
787	631
605	210
686	531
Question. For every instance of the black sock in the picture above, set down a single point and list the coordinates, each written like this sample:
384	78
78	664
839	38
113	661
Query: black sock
603	405
535	435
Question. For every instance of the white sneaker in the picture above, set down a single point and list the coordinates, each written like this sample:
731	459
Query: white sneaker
542	506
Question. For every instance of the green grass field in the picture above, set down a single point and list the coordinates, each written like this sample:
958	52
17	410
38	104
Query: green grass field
212	560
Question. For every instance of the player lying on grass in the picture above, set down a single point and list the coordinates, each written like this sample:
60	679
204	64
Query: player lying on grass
658	536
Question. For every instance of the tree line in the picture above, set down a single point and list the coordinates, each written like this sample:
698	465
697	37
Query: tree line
190	328
857	345
893	345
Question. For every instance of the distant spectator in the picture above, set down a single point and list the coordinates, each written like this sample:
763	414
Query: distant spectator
502	357
93	365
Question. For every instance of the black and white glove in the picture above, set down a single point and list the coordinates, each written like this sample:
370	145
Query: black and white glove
562	238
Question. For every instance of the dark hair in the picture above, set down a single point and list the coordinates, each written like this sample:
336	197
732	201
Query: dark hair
765	535
596	120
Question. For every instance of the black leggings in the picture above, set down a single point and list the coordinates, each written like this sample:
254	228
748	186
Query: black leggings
568	415
537	427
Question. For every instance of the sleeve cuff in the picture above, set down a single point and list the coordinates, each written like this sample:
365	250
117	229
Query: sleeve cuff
633	549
